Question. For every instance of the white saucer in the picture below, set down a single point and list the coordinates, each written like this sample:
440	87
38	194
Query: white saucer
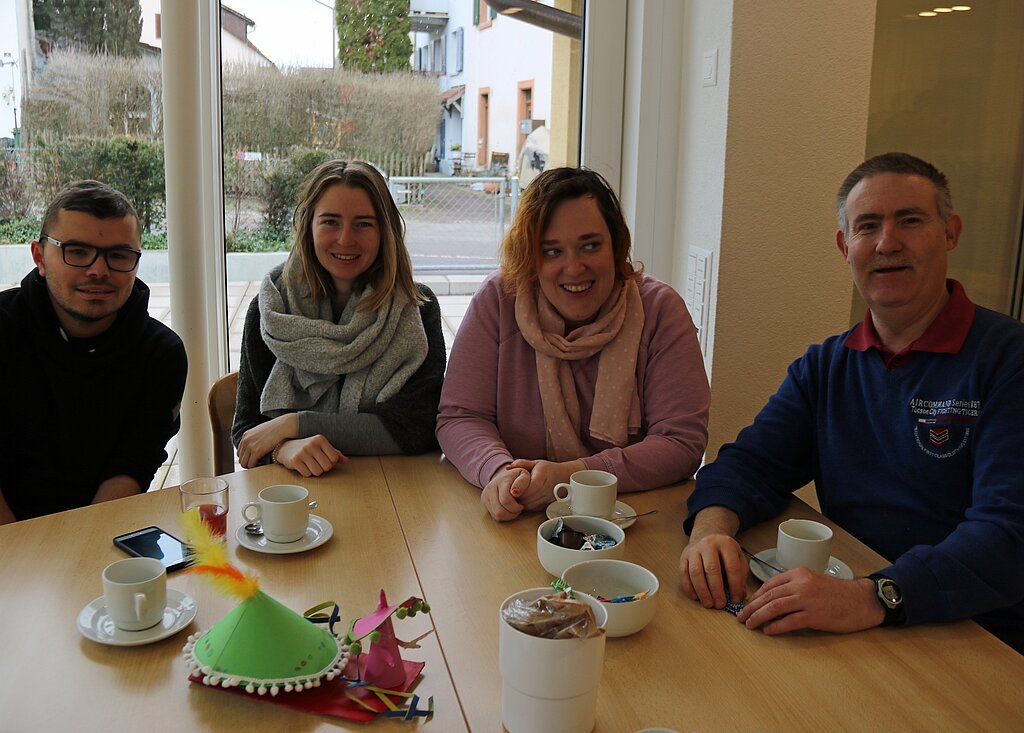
836	566
561	508
95	623
317	533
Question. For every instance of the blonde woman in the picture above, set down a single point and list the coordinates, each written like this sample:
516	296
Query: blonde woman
342	353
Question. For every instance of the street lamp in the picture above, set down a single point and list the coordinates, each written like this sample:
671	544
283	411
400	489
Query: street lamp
334	30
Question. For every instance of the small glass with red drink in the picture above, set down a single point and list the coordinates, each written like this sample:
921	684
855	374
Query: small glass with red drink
210	496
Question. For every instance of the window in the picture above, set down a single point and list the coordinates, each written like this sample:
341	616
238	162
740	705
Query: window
458	36
461	135
438	64
483	14
483	118
524	113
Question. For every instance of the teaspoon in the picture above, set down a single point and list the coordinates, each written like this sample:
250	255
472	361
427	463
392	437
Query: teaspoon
631	517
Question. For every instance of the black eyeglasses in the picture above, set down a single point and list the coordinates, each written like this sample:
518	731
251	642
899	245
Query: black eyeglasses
78	254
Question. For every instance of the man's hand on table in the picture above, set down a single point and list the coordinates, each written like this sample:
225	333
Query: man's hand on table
116	487
804	599
711	557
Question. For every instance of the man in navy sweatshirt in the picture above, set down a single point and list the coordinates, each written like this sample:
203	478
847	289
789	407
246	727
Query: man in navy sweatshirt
909	426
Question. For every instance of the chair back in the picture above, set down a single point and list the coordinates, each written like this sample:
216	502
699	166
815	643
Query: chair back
222	414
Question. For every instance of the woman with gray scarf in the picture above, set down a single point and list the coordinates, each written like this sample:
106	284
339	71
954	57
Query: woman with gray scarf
342	352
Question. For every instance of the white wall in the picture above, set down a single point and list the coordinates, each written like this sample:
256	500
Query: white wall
760	158
150	9
232	49
500	57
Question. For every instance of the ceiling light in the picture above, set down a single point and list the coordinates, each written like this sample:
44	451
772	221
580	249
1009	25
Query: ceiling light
961	7
927	14
943	10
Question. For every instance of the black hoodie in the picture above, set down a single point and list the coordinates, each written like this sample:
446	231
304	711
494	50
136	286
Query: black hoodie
75	412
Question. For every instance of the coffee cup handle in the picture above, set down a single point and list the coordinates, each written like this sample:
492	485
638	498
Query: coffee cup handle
141	606
257	507
558	496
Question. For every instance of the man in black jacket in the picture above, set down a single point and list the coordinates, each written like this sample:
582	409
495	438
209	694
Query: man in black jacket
90	385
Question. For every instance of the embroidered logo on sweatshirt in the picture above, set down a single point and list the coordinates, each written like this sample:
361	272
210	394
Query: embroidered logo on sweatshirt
943	427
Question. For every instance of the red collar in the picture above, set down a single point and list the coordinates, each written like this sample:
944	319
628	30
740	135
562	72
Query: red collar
944	335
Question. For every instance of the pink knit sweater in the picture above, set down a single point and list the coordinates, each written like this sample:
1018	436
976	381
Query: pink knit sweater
491	412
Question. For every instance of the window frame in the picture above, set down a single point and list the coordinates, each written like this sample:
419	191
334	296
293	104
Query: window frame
196	94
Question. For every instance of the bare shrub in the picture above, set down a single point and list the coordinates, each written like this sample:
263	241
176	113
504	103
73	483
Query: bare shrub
15	198
95	95
265	109
269	110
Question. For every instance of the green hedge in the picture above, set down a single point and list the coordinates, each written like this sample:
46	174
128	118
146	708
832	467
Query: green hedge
18	230
283	186
136	167
129	164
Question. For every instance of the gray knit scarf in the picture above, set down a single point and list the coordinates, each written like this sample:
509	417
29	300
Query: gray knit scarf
377	351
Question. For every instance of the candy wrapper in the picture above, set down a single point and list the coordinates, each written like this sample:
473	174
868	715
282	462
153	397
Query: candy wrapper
554	616
566	536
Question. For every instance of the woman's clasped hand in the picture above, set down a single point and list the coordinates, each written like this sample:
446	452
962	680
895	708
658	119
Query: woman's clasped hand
525	485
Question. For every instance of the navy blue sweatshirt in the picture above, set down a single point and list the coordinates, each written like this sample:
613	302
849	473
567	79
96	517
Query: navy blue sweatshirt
923	462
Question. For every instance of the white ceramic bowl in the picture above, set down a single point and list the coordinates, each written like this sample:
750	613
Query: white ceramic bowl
556	559
612	578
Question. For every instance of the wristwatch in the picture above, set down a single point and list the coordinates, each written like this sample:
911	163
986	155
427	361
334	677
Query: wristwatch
891	598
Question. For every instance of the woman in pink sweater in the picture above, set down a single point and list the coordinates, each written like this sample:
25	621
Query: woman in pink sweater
569	358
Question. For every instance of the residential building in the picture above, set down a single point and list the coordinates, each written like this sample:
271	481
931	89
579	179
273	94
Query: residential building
235	46
494	72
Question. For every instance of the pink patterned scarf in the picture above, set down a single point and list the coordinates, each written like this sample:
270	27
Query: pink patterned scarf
615	333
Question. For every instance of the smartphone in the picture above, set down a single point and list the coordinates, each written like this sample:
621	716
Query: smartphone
158	544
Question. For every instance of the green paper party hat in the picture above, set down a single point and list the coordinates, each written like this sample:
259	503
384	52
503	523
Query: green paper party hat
261	645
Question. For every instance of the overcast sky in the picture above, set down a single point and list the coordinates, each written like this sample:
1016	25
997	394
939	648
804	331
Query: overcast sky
290	32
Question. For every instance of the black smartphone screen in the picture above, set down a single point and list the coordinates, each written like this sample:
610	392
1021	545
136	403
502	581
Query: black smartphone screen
156	543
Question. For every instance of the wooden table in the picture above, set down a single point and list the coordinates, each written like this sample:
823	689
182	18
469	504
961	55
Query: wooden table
696	669
53	679
413	526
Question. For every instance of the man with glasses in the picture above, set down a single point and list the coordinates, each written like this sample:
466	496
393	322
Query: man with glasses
90	385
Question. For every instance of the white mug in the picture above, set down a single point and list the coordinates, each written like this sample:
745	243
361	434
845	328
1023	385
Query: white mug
135	592
282	510
590	492
803	543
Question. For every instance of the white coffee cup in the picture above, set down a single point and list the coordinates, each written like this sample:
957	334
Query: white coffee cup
283	511
590	492
135	592
803	543
549	683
